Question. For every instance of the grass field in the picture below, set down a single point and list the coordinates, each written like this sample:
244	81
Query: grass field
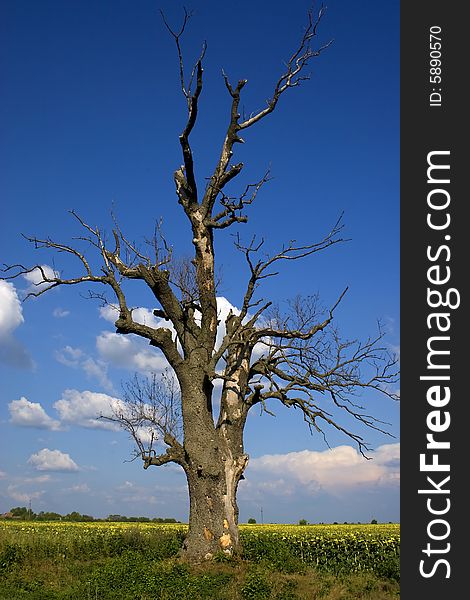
128	561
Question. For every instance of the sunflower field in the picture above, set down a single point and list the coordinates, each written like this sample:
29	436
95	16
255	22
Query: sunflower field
97	560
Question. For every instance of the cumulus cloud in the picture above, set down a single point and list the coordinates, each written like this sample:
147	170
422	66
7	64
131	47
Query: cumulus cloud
133	354
110	313
85	408
31	414
94	369
60	313
146	317
52	460
82	409
70	356
23	497
11	314
333	470
36	278
12	352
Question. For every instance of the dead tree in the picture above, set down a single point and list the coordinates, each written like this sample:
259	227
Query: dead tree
297	359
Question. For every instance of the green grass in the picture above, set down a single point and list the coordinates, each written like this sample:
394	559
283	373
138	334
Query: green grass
81	562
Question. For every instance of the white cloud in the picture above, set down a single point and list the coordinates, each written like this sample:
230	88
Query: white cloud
80	488
60	313
127	485
70	356
333	470
52	460
109	312
22	497
36	278
85	408
224	308
94	369
11	316
147	435
37	479
145	316
31	414
2	475
11	313
133	354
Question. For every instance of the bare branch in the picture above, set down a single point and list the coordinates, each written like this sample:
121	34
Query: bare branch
177	36
302	371
184	177
20	270
298	334
260	270
291	77
294	67
151	413
232	205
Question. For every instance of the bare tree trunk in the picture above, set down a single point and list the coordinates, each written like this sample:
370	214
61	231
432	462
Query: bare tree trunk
213	514
214	464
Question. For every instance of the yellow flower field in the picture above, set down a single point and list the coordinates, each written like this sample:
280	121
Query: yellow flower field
337	548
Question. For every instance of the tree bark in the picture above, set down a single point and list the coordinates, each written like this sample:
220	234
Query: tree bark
213	513
213	472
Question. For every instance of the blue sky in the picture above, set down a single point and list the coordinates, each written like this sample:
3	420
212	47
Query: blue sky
90	118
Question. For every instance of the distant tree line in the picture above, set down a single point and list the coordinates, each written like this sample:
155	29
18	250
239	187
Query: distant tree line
26	514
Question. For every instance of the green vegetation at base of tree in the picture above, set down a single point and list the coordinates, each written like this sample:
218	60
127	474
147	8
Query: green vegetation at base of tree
112	561
131	577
